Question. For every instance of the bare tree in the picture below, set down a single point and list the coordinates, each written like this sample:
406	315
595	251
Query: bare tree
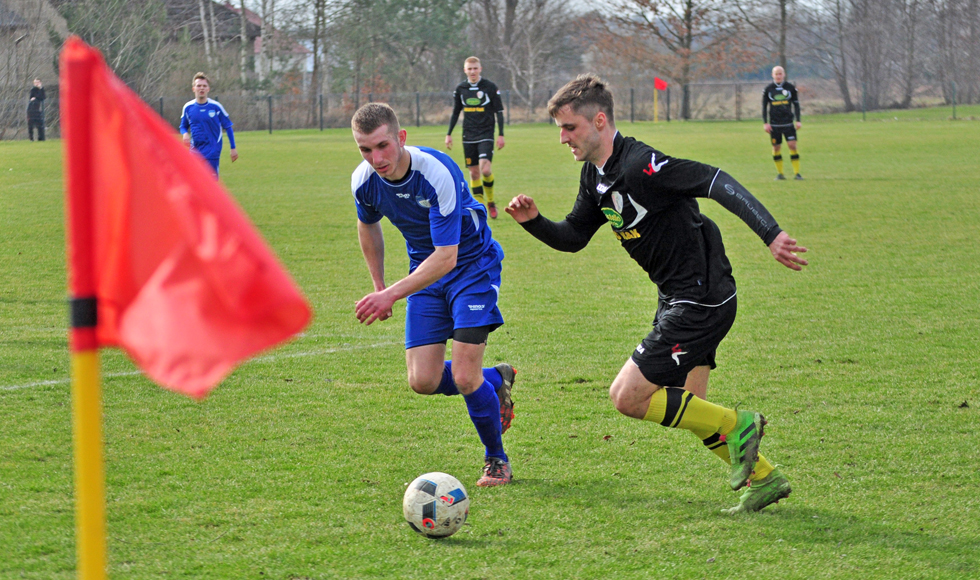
909	27
771	20
826	33
206	32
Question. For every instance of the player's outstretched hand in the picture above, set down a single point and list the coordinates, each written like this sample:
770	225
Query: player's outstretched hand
522	209
374	306
784	249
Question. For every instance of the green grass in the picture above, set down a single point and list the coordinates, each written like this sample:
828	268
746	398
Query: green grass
294	468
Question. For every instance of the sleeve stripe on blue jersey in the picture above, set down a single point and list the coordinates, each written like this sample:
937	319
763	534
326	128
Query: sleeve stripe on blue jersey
441	178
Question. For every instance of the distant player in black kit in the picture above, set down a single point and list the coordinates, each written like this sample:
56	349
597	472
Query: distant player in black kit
781	120
649	199
35	111
479	100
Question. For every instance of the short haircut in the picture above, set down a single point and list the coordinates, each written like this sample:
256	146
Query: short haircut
368	118
586	95
471	59
201	75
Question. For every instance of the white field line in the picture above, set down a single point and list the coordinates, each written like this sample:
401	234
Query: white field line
261	359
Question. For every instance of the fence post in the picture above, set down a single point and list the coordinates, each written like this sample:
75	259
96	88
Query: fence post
864	104
668	104
161	106
269	100
321	111
954	100
418	110
632	107
738	102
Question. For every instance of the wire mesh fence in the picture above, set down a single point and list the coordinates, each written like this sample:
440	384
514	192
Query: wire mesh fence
720	100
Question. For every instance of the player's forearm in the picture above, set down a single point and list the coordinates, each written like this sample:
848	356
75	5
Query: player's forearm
500	122
733	196
453	119
438	264
231	138
562	236
796	110
372	242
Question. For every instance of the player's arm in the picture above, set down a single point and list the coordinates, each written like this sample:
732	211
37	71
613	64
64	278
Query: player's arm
733	196
377	305
765	112
372	241
569	235
185	128
796	107
498	106
457	109
226	124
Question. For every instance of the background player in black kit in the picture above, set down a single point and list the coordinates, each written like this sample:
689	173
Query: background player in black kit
479	100
781	118
649	199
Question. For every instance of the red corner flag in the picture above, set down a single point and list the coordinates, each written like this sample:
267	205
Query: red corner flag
659	84
161	260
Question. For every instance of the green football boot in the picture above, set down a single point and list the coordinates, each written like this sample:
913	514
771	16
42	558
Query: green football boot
743	446
762	493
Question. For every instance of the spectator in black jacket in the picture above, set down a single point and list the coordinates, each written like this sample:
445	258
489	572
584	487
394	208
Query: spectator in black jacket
35	111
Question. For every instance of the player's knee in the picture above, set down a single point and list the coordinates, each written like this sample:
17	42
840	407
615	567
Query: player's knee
467	383
622	399
423	384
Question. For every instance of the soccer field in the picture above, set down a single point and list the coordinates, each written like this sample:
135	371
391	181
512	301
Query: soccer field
294	468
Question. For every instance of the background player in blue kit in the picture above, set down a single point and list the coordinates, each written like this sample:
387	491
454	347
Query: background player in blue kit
454	274
201	123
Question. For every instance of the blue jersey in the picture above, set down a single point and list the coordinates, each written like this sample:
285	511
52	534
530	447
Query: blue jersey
431	206
205	122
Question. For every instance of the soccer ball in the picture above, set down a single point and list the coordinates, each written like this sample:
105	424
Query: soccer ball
436	505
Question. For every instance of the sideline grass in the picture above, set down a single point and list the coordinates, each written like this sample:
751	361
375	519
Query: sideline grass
294	468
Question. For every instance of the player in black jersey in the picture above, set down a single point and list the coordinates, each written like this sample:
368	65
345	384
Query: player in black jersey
649	199
479	100
781	118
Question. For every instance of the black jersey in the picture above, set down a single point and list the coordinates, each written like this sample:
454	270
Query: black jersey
782	103
649	199
481	103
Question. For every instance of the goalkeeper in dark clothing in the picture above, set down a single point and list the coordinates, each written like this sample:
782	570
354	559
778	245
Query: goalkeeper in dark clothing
649	199
781	118
479	100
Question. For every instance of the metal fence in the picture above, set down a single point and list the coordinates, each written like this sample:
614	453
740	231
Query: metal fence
723	100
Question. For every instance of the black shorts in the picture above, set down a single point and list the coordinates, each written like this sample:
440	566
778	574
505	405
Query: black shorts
474	151
684	336
777	134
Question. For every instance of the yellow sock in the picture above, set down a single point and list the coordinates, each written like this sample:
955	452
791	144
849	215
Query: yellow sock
715	445
778	160
476	188
679	409
795	160
488	187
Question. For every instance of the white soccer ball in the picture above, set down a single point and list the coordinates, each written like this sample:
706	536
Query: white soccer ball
436	505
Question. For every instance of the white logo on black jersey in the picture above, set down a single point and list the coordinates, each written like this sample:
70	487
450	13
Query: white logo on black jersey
602	188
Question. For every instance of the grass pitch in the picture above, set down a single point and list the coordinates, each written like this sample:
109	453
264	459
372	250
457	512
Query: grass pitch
294	468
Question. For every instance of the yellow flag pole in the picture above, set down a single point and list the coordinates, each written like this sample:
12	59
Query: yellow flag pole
90	527
78	65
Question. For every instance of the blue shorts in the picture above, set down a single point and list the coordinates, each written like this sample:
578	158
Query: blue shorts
466	297
213	163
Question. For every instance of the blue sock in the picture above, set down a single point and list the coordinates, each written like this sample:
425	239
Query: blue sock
447	386
492	376
484	408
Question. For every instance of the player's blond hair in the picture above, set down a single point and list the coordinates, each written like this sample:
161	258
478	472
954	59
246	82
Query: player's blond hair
368	118
201	75
586	95
470	60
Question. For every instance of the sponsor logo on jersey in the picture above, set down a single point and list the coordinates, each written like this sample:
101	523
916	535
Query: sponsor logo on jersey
676	353
613	216
473	109
627	235
654	167
404	195
476	307
640	348
474	101
602	188
729	189
420	199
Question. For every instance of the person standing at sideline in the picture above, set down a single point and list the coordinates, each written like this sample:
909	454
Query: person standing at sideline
479	100
201	122
453	284
35	111
781	118
650	201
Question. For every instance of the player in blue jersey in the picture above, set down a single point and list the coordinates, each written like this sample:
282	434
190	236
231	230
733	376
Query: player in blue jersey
201	123
453	283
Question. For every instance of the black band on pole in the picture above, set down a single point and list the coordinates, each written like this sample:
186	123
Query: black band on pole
84	312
